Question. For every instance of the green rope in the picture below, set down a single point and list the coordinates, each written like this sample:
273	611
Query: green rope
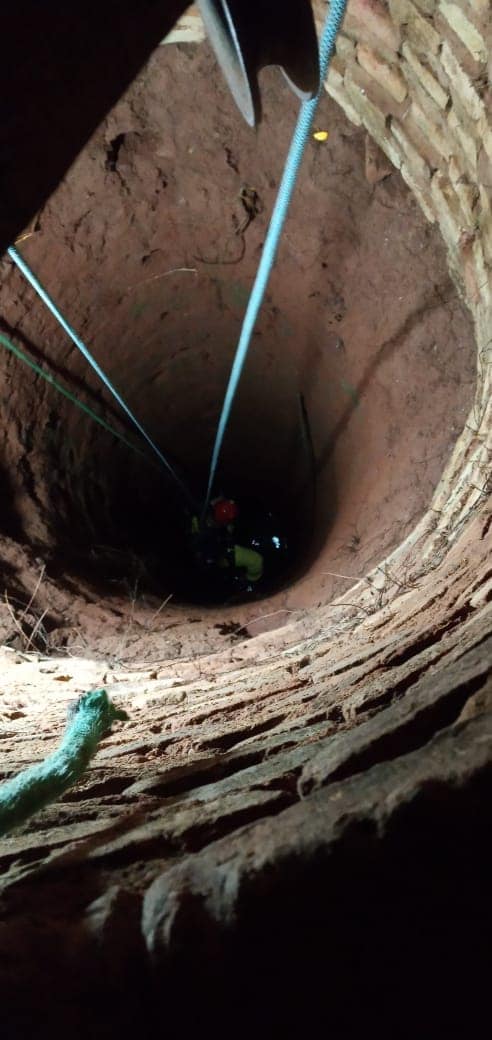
70	397
89	720
51	305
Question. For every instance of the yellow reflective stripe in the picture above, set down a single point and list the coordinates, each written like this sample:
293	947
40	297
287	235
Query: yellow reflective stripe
250	560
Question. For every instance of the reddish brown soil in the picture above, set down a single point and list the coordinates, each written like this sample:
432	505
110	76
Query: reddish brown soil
147	248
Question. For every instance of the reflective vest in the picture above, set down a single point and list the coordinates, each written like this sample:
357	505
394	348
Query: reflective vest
245	559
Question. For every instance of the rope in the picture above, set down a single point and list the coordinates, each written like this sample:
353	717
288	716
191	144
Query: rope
294	158
46	298
311	456
71	397
89	720
298	144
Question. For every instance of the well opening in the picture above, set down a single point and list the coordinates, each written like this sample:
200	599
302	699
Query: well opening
311	773
360	375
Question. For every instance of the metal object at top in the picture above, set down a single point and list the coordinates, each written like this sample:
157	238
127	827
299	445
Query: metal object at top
246	35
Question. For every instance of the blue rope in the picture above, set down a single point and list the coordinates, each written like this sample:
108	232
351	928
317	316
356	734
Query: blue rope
298	144
31	277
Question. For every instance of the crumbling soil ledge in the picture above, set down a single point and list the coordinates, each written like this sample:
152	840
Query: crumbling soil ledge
385	863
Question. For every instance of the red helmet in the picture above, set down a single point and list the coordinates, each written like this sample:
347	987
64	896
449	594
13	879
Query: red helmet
225	511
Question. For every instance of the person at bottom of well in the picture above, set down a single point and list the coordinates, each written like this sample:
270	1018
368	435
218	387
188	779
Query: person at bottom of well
214	544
